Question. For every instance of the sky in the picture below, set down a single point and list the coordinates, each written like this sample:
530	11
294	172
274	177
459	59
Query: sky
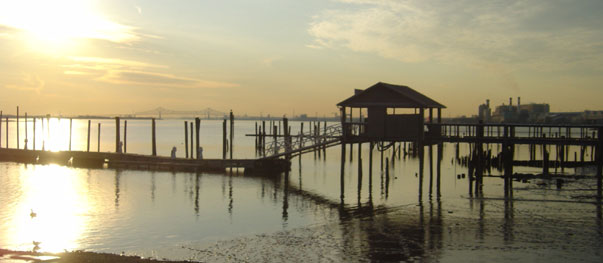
76	57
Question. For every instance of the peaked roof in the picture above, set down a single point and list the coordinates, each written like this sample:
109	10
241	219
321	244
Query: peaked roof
392	96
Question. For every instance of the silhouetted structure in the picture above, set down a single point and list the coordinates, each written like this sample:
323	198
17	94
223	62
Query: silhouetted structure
383	124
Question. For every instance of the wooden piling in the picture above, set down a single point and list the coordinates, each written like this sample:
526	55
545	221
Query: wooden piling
263	143
381	151
33	146
231	133
318	139
545	163
359	166
341	176
274	138
256	135
153	137
7	132
26	136
99	135
88	137
190	149
125	136
224	148
600	164
324	147
371	146
287	137
186	139
197	142
117	136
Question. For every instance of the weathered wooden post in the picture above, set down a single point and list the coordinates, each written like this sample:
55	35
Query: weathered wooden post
99	135
371	146
318	139
231	133
263	143
600	164
286	134
33	146
275	139
342	169
224	148
125	136
255	136
186	138
359	167
26	139
153	142
88	138
197	129
192	153
6	132
324	147
545	163
438	164
70	131
117	136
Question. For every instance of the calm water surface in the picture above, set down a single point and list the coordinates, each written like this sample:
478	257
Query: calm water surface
298	216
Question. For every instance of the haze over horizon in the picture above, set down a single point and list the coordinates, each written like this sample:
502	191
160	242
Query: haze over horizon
274	57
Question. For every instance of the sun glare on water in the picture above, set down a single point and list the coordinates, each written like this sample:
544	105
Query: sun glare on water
61	22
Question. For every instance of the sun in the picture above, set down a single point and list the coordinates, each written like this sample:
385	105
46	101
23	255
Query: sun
61	22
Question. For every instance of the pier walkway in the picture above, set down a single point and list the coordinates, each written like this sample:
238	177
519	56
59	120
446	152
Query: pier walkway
140	162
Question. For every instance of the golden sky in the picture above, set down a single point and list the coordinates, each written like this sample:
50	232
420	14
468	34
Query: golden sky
283	56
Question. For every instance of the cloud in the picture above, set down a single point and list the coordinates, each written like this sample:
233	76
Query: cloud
129	72
543	35
161	80
138	9
29	82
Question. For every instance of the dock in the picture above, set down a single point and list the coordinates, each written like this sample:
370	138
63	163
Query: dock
130	161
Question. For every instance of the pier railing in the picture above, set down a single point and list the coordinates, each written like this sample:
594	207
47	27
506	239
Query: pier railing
291	145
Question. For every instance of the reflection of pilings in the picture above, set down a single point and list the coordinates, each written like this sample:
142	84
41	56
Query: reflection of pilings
430	170
341	177
509	214
197	186
285	213
421	161
230	197
438	171
371	145
117	179
386	178
153	187
359	171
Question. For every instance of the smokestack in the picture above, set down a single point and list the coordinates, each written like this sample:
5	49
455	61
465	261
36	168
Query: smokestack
511	101
518	103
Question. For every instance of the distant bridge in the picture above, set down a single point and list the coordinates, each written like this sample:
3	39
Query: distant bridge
160	111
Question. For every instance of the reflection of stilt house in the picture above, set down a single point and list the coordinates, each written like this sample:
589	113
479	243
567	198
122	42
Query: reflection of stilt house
383	123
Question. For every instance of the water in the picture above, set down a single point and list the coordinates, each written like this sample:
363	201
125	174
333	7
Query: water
297	216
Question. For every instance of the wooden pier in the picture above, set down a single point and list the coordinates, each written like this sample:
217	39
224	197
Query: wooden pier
130	161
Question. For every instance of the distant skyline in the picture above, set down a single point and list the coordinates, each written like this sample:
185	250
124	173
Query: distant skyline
78	57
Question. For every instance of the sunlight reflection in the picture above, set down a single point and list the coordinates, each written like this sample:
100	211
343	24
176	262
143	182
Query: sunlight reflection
59	202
